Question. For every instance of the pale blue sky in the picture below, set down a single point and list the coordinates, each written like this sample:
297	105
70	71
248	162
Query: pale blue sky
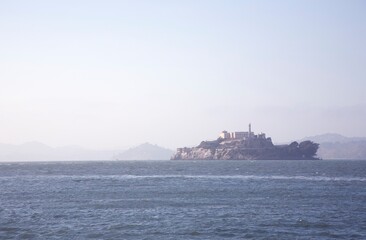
105	74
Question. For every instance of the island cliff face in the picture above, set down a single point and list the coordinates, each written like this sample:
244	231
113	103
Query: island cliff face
248	149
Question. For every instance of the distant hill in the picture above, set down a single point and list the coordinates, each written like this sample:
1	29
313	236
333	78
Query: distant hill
333	138
36	151
145	151
336	146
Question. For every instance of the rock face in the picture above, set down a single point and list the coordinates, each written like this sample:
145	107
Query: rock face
250	149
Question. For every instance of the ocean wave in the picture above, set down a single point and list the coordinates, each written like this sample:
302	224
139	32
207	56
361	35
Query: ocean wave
209	177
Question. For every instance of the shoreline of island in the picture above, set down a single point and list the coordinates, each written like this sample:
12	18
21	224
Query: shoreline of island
247	146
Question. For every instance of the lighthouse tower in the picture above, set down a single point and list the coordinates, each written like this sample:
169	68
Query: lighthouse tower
250	130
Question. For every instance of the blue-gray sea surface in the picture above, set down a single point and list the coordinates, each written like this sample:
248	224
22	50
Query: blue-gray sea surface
183	200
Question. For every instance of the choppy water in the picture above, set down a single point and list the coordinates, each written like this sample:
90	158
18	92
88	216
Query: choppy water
183	200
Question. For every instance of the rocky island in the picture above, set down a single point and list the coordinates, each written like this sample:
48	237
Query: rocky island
247	146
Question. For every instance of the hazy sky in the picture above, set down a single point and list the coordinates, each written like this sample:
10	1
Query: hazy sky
106	74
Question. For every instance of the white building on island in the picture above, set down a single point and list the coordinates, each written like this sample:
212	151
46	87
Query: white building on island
241	135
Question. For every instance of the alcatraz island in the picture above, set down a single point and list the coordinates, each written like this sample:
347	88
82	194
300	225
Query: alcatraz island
247	146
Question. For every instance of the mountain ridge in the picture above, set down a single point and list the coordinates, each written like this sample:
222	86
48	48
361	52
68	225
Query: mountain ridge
332	138
37	151
337	146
